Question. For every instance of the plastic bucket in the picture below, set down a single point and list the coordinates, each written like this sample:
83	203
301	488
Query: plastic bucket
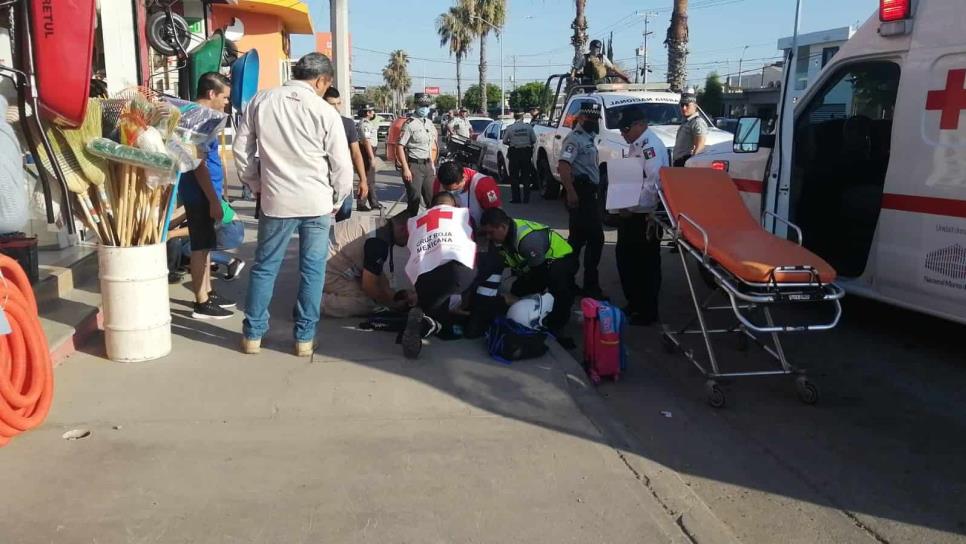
137	312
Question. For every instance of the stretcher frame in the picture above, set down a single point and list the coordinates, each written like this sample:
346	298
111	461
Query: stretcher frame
743	298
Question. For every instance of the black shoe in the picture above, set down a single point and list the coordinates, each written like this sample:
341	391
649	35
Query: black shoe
412	336
360	207
220	301
210	310
213	268
235	267
566	342
175	277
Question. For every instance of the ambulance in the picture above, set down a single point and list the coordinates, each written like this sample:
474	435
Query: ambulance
871	161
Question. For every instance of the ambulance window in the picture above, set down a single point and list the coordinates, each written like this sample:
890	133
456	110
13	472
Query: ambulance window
841	151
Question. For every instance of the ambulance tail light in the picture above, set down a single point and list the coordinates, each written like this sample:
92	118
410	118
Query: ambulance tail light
894	10
720	165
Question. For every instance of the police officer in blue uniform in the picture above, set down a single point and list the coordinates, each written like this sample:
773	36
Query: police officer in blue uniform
580	176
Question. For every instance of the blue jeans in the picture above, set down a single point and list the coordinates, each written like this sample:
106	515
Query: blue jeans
274	235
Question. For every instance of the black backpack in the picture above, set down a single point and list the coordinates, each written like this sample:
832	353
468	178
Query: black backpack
508	341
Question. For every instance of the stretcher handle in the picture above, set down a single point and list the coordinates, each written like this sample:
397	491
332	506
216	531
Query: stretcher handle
704	233
796	228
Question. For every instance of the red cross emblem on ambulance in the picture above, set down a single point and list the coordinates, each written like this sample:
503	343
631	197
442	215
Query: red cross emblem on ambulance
432	218
951	100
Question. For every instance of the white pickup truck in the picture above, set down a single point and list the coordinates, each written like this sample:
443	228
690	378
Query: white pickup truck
661	108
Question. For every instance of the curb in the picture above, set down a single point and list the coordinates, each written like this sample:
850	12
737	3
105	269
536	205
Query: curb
693	518
89	325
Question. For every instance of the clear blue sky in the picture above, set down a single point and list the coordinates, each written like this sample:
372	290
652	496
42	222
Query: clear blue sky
538	33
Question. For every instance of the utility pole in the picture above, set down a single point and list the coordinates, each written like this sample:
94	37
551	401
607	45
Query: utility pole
677	47
642	52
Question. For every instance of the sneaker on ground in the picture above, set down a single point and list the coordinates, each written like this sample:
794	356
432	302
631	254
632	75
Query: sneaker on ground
412	336
220	301
210	310
235	267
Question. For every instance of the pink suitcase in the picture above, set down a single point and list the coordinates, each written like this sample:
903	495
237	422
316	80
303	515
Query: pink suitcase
602	340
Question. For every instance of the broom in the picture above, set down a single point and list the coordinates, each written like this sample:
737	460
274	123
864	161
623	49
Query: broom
94	168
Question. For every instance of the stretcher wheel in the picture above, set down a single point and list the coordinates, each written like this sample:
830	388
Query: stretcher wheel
807	391
669	345
716	396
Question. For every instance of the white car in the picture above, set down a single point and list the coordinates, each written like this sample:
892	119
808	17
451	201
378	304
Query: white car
493	159
478	125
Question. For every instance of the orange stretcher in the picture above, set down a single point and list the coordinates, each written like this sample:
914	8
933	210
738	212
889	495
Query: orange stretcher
754	269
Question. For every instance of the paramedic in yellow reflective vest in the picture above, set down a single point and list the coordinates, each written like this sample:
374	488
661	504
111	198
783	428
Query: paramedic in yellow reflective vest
541	260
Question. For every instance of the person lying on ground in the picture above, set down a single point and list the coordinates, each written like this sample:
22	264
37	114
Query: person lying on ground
361	266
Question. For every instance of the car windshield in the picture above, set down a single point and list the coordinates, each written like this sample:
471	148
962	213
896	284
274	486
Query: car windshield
656	113
479	125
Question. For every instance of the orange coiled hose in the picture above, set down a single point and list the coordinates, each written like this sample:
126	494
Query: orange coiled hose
26	372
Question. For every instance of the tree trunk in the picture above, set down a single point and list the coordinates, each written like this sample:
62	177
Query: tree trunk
459	84
483	95
579	39
677	47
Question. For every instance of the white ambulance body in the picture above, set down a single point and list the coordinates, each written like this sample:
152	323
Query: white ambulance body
873	168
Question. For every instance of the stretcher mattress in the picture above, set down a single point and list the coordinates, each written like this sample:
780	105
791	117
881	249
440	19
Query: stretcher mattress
735	239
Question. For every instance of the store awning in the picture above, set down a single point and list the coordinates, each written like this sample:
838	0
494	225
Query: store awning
294	15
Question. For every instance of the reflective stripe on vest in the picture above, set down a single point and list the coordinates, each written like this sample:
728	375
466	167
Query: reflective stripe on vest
558	246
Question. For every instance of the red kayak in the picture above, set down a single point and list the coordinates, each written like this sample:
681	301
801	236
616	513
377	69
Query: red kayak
63	45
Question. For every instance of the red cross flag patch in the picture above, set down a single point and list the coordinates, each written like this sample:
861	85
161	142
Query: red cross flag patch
437	236
491	196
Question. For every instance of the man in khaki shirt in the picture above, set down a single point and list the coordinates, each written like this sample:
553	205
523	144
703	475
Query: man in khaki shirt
303	172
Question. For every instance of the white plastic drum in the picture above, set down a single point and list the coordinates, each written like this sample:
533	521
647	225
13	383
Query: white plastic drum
137	312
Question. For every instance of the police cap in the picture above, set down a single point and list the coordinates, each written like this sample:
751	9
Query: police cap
631	116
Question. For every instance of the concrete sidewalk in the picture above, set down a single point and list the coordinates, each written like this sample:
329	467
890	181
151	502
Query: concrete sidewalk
355	445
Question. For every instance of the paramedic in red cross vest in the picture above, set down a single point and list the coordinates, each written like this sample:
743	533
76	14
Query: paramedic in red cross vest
471	189
442	257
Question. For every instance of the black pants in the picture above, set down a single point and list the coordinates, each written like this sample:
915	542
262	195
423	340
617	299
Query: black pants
434	288
557	278
587	229
639	265
521	171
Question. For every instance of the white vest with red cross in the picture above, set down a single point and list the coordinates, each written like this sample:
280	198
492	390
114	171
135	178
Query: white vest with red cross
437	236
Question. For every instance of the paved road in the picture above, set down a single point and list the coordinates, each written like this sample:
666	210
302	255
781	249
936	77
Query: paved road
880	459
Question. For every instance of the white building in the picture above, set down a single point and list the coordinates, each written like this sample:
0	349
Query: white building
815	50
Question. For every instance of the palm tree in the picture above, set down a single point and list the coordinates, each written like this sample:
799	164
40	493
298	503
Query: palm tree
677	47
579	39
493	12
455	29
396	75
